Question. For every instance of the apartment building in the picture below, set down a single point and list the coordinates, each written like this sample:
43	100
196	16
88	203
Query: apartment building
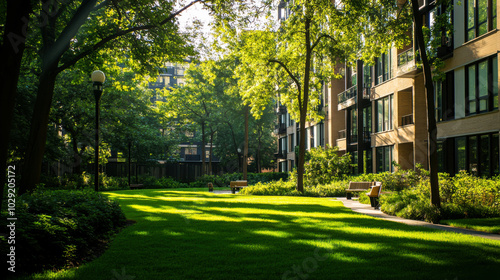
378	113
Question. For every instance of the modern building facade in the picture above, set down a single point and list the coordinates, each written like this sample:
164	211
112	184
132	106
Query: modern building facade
378	113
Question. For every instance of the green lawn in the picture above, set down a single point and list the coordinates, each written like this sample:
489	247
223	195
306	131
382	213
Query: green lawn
491	225
181	234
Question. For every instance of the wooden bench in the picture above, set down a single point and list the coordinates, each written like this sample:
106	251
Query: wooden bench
237	185
374	194
357	187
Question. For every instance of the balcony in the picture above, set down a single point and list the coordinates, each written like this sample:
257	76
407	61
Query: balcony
157	85
280	128
281	154
348	98
407	120
407	66
280	110
366	137
342	134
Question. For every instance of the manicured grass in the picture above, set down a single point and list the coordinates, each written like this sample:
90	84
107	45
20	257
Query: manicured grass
181	234
491	225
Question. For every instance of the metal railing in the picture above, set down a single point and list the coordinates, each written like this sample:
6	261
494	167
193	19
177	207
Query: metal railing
406	57
280	128
407	120
342	134
348	94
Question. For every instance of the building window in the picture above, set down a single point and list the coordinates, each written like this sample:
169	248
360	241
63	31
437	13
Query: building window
480	17
321	134
383	69
444	98
384	158
384	113
482	86
477	154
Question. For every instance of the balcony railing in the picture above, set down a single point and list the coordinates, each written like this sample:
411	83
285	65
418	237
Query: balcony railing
366	137
280	110
406	57
407	120
342	134
348	97
407	63
280	128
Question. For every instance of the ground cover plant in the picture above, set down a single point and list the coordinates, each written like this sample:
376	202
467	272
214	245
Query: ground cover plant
181	234
57	228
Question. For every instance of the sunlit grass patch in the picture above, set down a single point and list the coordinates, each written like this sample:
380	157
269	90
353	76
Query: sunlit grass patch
491	225
181	234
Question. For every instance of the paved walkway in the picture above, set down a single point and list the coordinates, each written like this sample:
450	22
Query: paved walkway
366	209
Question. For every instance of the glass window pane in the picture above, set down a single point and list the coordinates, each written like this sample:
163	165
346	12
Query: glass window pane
460	155
483	29
470	14
472	107
483	105
390	111
472	82
386	113
482	10
485	155
494	154
380	115
483	78
473	158
495	82
494	14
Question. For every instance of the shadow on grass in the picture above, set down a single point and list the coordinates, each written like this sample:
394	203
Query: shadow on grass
187	235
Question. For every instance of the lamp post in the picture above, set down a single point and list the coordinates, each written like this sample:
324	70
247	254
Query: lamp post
98	79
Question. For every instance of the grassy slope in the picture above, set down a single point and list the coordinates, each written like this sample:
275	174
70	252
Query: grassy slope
195	235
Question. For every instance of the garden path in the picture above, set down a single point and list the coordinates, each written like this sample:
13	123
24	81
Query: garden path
366	209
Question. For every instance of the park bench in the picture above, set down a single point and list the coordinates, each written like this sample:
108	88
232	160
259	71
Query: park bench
136	186
374	194
357	187
239	184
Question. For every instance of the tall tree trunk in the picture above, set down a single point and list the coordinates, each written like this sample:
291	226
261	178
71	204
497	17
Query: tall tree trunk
38	133
429	93
203	161
245	149
303	106
11	54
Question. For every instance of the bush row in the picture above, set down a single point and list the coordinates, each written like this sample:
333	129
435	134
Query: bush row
60	228
107	183
462	196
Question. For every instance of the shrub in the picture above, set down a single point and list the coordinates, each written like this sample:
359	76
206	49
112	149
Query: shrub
58	228
272	188
325	166
462	196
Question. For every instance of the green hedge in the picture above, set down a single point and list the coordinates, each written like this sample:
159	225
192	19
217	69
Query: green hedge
462	196
58	228
281	187
84	181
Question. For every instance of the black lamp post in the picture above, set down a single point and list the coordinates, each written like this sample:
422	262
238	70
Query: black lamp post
98	79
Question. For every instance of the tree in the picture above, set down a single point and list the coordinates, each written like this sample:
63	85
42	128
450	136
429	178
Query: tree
299	54
428	59
14	16
73	31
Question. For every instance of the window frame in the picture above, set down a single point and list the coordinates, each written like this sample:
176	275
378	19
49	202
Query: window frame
491	92
386	124
490	21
